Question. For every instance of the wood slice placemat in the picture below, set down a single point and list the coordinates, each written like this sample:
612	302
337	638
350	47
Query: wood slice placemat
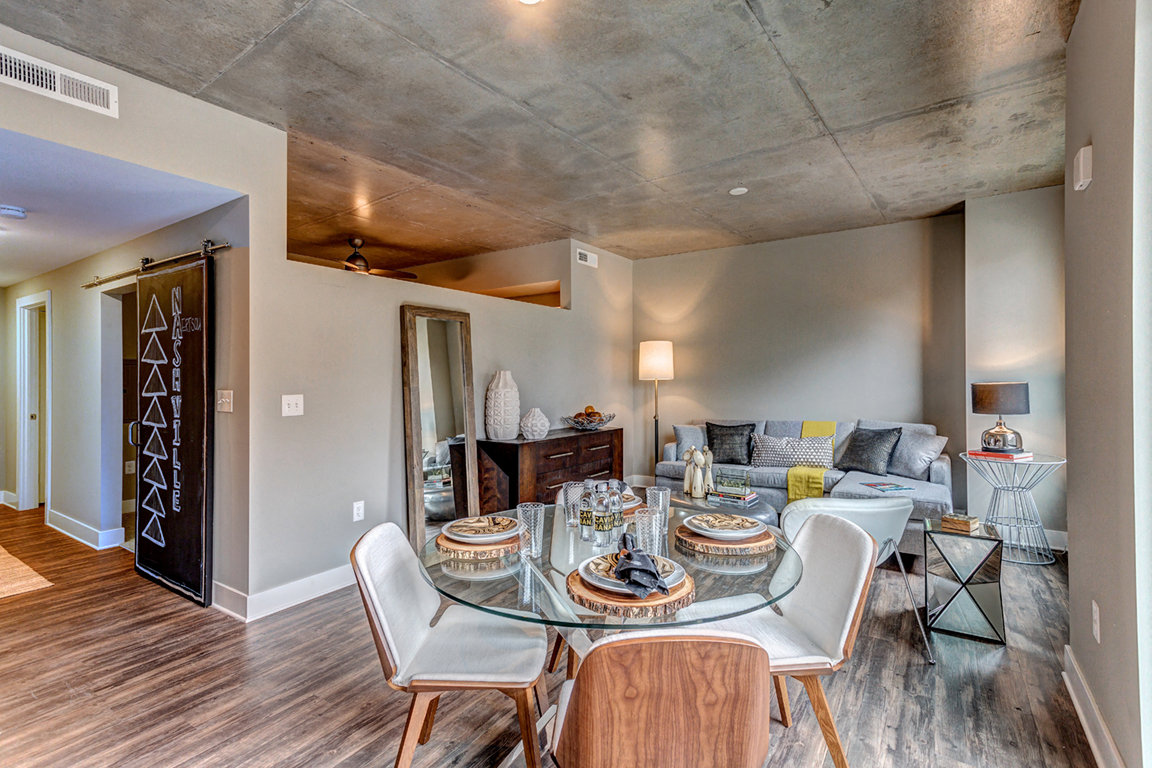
621	606
757	545
458	550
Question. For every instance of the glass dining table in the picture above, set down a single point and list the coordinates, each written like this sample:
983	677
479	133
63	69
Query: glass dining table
534	589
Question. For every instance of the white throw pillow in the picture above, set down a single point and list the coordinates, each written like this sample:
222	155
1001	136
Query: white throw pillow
768	451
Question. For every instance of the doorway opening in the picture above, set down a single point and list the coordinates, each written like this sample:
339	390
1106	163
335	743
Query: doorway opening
34	402
129	385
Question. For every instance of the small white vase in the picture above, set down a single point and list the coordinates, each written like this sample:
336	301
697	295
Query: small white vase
534	425
502	408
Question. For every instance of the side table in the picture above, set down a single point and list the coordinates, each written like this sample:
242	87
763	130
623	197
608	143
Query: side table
1012	509
962	582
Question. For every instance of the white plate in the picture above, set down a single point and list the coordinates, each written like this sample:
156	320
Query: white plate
617	586
636	500
699	524
481	538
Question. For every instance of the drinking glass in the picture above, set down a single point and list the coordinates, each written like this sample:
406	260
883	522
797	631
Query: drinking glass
658	498
570	494
649	528
531	515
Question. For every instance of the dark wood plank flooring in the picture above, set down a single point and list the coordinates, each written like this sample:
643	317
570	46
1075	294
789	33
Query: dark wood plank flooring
108	669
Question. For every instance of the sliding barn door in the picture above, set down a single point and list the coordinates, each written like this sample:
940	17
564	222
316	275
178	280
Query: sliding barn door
174	309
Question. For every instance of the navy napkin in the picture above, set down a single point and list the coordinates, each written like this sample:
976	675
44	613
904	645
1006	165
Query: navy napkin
637	569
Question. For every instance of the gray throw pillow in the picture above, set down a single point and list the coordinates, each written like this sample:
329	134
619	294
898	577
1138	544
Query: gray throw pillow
914	454
687	436
869	450
730	444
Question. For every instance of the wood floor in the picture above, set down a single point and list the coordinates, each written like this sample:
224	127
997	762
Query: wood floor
107	669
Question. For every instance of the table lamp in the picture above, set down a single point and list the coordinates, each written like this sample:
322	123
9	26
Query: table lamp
999	398
656	365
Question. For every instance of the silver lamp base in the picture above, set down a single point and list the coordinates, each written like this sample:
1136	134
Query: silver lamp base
1001	439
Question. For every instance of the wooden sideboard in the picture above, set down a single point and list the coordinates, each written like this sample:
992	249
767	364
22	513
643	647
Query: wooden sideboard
514	471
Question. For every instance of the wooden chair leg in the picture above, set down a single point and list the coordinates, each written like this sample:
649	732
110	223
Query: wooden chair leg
781	685
824	716
526	710
417	715
557	653
542	700
426	731
573	664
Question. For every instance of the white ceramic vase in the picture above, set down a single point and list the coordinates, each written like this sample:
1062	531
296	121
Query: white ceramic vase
502	408
534	425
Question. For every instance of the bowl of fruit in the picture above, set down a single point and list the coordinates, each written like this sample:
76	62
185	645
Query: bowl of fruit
589	419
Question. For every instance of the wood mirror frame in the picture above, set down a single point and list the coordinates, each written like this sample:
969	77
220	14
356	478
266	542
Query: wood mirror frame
413	448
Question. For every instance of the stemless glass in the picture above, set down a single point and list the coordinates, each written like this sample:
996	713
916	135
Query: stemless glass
649	528
658	499
531	516
570	494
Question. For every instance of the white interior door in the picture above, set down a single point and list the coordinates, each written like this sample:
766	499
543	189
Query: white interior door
30	410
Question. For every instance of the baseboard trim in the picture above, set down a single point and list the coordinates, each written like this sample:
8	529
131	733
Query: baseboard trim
641	480
1099	737
84	533
1058	540
252	607
8	499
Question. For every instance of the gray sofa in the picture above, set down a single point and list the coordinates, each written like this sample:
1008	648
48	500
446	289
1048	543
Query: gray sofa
930	498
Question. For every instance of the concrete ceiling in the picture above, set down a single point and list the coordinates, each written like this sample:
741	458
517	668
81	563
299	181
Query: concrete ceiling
621	124
80	203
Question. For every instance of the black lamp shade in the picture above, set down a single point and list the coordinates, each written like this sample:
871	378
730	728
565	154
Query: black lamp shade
1000	397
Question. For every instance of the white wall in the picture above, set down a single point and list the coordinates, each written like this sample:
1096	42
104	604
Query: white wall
518	266
334	336
824	327
1014	263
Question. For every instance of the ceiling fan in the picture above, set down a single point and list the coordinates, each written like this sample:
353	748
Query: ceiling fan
357	263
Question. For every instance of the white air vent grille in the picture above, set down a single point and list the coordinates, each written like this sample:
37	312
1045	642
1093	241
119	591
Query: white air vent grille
586	257
55	82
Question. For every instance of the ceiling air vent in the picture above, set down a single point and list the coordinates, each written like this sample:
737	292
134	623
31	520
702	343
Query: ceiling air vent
31	74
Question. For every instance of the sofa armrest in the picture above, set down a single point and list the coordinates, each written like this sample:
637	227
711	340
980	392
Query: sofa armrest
670	452
940	471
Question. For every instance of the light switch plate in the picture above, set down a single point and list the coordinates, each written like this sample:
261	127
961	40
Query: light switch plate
292	405
129	467
357	511
224	400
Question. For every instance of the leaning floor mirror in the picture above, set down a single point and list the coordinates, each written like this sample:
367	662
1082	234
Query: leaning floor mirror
439	418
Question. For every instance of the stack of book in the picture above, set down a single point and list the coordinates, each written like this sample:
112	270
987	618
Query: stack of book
730	498
982	454
953	523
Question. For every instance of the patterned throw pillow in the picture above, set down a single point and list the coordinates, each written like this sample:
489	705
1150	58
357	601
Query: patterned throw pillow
730	444
768	451
869	450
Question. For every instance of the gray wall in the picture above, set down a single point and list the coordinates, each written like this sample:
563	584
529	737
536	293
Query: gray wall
823	327
1105	531
335	337
1014	291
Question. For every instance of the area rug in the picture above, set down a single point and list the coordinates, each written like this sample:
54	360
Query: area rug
17	578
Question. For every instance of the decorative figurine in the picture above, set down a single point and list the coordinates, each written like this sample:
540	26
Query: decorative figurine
698	476
689	468
709	485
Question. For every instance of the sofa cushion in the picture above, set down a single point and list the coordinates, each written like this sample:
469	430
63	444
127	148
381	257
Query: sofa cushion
869	450
907	426
928	499
783	428
914	454
768	451
688	436
731	444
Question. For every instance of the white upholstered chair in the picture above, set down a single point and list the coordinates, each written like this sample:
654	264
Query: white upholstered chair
466	649
815	629
884	519
668	698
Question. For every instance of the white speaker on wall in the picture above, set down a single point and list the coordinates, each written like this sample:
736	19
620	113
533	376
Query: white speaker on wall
1082	169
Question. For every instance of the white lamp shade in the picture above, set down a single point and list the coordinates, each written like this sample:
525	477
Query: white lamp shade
656	360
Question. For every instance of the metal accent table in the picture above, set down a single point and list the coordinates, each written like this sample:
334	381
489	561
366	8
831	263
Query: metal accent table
1012	509
962	582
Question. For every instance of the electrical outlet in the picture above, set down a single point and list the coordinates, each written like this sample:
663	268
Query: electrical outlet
1096	621
357	511
224	400
129	467
292	405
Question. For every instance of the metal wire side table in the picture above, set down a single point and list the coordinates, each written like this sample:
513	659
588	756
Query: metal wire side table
1012	509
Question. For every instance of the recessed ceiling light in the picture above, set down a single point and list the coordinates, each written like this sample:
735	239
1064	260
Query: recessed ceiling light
12	212
737	191
529	2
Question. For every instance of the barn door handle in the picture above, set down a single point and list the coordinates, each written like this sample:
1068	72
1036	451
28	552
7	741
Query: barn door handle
134	436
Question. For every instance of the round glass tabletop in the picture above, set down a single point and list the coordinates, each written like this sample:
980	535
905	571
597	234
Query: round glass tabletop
534	589
1037	458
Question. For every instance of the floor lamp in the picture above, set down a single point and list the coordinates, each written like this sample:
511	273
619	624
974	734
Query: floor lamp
656	365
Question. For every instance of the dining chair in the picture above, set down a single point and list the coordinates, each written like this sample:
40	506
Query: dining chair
668	698
466	650
810	632
884	519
